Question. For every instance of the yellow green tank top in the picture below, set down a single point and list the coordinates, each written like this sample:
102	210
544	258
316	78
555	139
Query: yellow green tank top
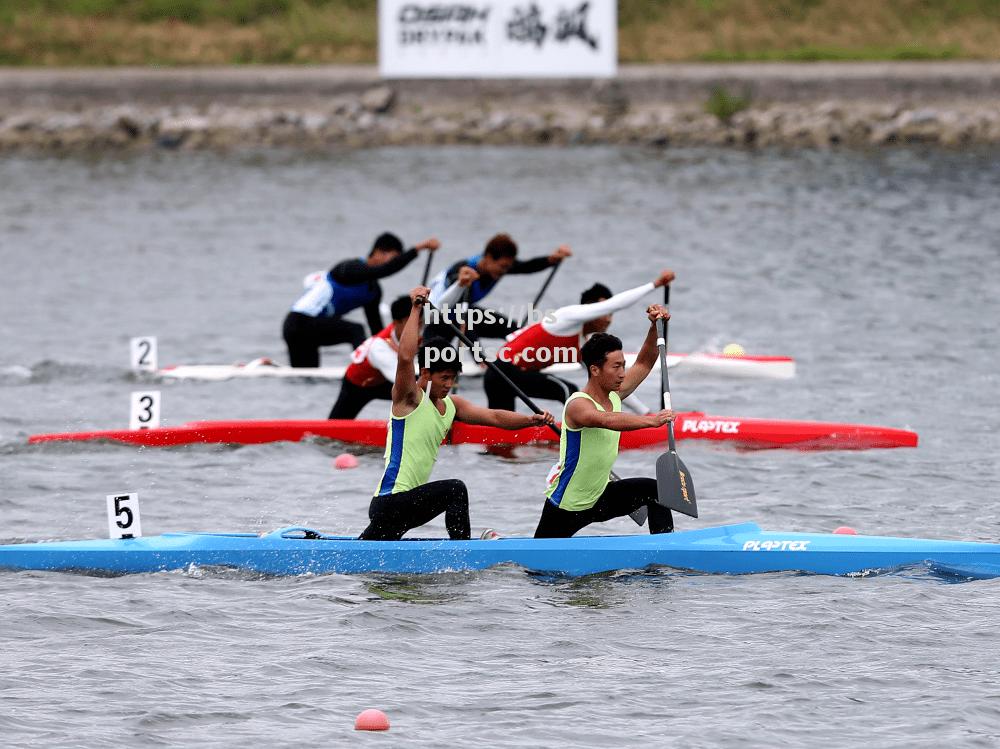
586	457
412	445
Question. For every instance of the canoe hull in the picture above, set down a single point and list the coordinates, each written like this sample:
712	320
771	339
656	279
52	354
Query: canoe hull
735	550
751	434
747	366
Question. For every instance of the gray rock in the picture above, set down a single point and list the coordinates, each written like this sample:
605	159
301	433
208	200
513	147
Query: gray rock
379	100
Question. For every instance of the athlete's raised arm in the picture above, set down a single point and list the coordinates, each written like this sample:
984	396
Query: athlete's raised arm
405	393
647	354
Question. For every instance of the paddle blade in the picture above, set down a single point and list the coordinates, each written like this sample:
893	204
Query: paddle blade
674	485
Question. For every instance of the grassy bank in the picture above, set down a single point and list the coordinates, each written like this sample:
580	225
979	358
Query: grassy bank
212	32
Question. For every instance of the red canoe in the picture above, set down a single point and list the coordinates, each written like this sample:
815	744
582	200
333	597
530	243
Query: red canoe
744	433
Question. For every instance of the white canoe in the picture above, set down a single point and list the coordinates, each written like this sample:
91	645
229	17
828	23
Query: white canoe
748	366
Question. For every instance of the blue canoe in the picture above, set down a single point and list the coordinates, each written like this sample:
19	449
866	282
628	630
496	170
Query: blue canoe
730	549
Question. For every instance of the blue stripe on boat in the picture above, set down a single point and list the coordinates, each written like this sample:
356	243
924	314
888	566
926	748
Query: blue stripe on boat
572	458
397	426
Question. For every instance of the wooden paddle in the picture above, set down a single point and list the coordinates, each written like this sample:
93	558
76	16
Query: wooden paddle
640	513
674	485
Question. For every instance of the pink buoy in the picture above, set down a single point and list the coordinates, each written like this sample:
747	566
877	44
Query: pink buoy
371	720
345	460
846	530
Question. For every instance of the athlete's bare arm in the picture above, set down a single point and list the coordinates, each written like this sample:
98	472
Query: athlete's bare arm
647	354
582	412
470	413
405	392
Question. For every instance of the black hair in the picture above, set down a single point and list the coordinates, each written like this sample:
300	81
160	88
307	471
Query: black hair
596	350
501	246
387	242
445	359
400	309
595	293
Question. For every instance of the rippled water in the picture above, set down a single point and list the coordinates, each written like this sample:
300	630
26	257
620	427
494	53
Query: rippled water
877	271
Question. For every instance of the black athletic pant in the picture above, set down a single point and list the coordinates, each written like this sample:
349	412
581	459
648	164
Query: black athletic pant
393	515
620	498
500	328
534	385
353	398
304	335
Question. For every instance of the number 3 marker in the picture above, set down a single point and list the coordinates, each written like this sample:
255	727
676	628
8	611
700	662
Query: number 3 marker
145	412
123	516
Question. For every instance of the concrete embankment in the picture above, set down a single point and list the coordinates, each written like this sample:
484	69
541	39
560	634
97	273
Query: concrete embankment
811	105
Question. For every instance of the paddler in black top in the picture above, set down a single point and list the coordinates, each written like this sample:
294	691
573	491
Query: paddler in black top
317	318
421	416
497	260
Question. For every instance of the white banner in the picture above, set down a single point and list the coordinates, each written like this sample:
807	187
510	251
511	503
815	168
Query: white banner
498	39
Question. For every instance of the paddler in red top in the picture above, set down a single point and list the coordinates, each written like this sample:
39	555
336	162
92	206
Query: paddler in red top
557	339
421	415
373	364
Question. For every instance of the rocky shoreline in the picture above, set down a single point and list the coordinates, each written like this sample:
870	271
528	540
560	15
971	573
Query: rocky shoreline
829	105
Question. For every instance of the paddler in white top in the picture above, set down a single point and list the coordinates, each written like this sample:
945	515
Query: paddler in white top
421	416
580	491
557	340
373	364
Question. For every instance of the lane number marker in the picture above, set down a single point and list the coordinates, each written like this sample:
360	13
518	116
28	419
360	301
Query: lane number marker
123	516
145	411
142	352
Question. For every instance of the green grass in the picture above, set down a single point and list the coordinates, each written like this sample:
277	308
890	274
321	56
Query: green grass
724	104
190	32
816	54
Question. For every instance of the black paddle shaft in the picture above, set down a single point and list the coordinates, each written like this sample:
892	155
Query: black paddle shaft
427	268
661	331
666	303
545	286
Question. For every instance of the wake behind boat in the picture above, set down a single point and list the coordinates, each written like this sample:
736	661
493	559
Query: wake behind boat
729	549
723	365
746	433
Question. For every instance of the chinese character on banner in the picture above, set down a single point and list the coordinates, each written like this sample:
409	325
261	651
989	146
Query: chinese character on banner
527	26
573	23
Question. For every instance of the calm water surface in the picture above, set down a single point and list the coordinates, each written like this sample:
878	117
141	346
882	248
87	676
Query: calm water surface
877	271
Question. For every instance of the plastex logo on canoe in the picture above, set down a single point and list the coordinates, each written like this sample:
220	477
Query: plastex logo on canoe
706	426
789	545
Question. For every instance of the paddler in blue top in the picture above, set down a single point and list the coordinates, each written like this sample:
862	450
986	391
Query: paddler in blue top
421	416
317	318
580	491
497	260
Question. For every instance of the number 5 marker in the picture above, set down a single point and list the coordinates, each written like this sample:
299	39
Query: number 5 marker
123	516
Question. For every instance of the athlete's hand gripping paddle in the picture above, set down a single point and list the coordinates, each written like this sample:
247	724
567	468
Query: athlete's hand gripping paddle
674	486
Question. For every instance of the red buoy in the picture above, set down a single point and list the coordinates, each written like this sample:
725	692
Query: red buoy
345	460
846	530
371	720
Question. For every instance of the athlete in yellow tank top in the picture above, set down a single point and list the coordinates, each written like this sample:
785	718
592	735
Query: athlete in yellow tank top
579	491
421	416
